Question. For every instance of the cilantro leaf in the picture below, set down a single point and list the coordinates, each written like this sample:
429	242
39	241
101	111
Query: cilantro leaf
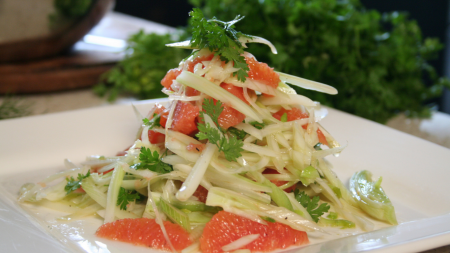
221	38
232	146
206	132
213	110
311	205
240	134
151	161
154	122
73	184
257	125
126	197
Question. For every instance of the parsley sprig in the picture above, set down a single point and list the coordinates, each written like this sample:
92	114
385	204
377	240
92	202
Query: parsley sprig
73	184
221	38
231	146
125	197
152	161
311	205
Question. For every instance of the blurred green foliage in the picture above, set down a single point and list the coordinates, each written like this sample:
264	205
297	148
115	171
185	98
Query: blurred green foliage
142	70
378	62
67	10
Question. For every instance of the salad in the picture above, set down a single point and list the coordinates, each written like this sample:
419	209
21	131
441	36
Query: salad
234	161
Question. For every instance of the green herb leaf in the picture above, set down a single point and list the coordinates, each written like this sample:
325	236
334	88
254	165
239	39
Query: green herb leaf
258	125
151	161
268	219
240	134
213	110
311	205
221	38
126	197
232	146
154	122
73	184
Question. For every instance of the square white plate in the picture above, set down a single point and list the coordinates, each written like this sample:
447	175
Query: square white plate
415	176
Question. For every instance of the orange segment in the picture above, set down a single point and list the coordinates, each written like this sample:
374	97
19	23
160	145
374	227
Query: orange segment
225	228
145	232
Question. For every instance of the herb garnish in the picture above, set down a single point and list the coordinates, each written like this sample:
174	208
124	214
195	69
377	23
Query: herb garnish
126	196
220	38
231	146
73	184
311	205
151	161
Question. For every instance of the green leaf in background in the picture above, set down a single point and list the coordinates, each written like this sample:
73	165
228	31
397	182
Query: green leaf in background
141	72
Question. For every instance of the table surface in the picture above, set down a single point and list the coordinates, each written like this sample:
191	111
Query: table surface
120	26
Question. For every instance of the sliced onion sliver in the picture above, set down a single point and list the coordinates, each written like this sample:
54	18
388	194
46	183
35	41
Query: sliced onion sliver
307	84
211	89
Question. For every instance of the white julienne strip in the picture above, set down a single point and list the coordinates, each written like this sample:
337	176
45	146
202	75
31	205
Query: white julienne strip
286	99
307	84
258	149
203	85
184	98
113	192
281	127
241	242
250	130
256	39
187	169
324	152
195	176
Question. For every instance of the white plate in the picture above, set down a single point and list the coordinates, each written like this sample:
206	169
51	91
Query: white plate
415	176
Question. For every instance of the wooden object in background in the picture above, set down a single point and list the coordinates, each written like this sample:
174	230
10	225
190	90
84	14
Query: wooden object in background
79	69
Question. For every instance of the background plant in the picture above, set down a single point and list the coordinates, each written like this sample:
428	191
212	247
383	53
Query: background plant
378	62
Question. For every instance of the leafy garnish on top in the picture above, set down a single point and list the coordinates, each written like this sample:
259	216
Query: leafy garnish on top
220	38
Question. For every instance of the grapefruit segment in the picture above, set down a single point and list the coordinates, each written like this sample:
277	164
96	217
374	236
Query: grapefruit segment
184	118
145	232
170	76
225	228
261	72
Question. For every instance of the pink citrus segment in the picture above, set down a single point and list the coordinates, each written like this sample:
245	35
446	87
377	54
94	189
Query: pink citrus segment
225	228
170	76
201	193
145	232
230	117
184	118
261	72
